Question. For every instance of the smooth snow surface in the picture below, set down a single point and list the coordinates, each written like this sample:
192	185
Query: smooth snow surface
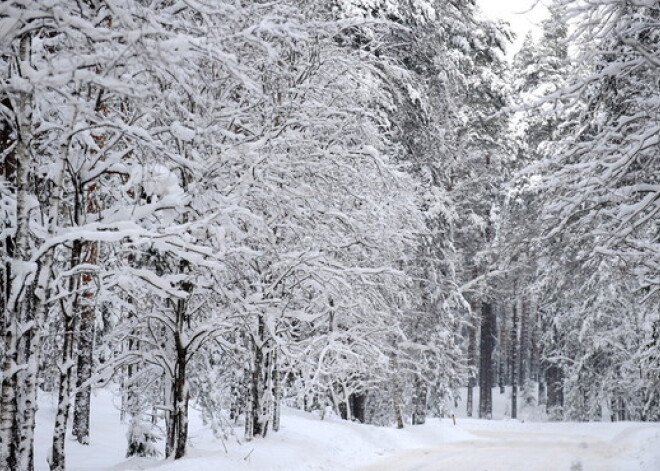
305	442
515	446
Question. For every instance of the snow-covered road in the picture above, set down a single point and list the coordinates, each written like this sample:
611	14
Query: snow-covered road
515	446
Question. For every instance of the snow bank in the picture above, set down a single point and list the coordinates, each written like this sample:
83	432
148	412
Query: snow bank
304	442
307	443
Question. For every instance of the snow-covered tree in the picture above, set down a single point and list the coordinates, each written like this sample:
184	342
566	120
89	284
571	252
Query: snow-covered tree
595	182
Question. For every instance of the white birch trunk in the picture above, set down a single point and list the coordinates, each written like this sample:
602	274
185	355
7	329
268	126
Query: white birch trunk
277	392
20	273
397	392
57	458
28	405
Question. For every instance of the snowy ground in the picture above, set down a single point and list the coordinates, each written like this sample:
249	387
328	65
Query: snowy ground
515	446
307	443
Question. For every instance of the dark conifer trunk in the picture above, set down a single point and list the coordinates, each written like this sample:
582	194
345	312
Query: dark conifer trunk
358	407
542	399
514	362
523	355
554	380
486	361
472	358
503	350
419	401
535	360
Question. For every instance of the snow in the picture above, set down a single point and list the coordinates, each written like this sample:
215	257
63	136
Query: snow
305	442
516	446
181	132
524	16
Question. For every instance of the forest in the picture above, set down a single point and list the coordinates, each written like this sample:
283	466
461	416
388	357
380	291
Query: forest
354	206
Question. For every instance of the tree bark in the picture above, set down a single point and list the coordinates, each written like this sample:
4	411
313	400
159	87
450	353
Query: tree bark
57	459
35	309
523	316
554	380
181	397
358	407
419	402
535	360
8	394
487	344
542	399
397	392
472	357
177	432
18	250
236	392
503	350
250	405
277	394
87	328
84	373
514	362
257	387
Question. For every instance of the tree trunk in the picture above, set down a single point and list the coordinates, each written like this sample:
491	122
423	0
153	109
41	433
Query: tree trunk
26	383
487	344
57	458
18	250
514	362
254	424
472	357
257	383
8	395
523	316
535	360
419	402
84	373
35	313
70	311
250	405
503	350
130	403
554	381
358	407
398	406
277	394
87	330
397	392
542	399
236	392
181	397
177	432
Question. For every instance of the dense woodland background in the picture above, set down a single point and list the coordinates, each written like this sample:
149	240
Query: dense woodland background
351	205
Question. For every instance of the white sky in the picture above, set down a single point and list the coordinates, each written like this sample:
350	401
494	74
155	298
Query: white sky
519	13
